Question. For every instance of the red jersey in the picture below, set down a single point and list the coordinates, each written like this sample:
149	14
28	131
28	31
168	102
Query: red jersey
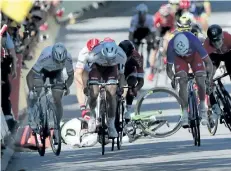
160	21
226	47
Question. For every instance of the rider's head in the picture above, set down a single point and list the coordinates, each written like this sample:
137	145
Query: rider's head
184	23
59	52
215	35
184	4
181	44
165	10
127	47
92	43
109	50
174	4
142	10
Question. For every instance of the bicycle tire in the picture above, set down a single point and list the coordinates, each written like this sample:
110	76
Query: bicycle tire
103	124
156	90
227	116
212	131
119	124
56	150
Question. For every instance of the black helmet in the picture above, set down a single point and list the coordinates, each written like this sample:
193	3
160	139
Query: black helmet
214	33
127	47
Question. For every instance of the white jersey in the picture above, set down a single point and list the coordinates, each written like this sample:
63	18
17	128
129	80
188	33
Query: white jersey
149	23
95	56
46	61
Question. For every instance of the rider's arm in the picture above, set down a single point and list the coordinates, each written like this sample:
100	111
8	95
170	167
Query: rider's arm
204	56
70	70
121	58
132	28
140	71
170	60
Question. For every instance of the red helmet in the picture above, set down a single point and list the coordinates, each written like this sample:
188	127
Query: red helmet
108	39
184	4
92	43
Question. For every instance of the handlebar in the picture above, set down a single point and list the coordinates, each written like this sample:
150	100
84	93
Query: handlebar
47	86
220	77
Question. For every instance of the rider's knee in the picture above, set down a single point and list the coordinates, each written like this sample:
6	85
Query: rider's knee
111	89
200	78
57	95
131	81
94	91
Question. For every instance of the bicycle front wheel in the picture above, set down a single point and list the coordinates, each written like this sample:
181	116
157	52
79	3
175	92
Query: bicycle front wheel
159	110
54	129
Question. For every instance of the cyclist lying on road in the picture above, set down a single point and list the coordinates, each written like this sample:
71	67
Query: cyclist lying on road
103	61
50	64
218	46
134	74
183	49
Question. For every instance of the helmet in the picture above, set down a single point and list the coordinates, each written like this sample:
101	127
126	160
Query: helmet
185	4
181	44
109	50
142	8
108	39
165	10
127	47
215	35
92	43
184	23
37	14
59	52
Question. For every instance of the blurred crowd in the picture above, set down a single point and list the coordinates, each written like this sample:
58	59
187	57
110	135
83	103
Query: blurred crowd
21	39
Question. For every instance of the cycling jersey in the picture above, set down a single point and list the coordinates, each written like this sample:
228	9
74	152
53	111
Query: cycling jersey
83	54
195	47
147	24
198	7
96	57
46	62
134	65
226	47
160	21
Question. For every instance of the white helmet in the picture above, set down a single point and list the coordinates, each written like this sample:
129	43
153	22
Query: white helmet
174	1
59	52
181	44
109	50
142	8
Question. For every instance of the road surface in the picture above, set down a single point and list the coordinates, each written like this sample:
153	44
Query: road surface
172	153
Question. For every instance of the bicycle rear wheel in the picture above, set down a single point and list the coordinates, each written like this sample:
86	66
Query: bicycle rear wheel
103	124
227	113
176	104
212	124
119	123
54	129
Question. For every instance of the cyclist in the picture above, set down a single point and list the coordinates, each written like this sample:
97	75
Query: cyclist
142	28
201	11
50	64
134	74
81	76
218	46
183	49
103	61
184	7
164	22
174	4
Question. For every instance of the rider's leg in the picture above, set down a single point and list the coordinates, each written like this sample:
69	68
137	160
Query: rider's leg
204	22
110	74
94	76
200	76
33	79
181	69
150	46
131	81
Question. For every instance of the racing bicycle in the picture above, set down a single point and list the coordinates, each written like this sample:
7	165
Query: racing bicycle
223	100
148	124
48	126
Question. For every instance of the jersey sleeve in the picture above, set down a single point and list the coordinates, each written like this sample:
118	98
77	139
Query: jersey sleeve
82	58
140	62
150	23
133	24
9	42
199	47
121	58
69	64
46	53
227	39
170	53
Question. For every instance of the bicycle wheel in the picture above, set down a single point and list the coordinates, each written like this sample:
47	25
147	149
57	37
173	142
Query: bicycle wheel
54	131
119	123
212	124
227	114
175	102
103	123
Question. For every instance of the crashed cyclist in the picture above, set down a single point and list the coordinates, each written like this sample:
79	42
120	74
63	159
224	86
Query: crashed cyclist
183	49
134	74
50	64
103	61
142	27
218	47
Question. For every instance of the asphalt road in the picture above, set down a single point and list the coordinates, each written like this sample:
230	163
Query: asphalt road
172	153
